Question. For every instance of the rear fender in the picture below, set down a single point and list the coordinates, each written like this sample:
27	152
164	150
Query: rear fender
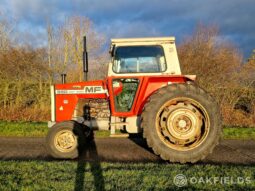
153	84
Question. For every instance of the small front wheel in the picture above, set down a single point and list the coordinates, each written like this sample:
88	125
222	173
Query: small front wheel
65	140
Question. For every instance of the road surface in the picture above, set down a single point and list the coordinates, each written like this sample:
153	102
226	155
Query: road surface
123	150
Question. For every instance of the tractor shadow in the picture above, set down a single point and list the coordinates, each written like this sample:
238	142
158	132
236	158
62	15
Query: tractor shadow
89	151
223	154
140	141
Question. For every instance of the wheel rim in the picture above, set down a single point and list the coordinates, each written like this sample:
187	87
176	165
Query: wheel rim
65	141
182	124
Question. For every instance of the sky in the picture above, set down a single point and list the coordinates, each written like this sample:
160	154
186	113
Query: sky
139	18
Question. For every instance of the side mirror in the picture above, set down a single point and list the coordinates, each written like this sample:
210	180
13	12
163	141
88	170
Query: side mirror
112	50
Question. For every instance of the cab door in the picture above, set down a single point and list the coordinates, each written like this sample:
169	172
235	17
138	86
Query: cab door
131	64
123	92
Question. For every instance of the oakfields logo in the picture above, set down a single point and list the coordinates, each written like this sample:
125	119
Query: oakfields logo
181	180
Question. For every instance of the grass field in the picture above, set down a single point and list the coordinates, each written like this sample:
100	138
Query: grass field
71	175
34	129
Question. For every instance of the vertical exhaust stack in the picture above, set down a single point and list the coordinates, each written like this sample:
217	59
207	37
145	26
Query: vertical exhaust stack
85	59
63	78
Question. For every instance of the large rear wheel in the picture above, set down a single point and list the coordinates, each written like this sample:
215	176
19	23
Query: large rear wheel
181	123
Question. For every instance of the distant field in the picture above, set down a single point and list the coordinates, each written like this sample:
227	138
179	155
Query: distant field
71	175
35	129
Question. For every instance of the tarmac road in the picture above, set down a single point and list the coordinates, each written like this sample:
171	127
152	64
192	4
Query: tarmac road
123	150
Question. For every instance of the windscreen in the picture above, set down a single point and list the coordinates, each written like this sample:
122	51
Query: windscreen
139	59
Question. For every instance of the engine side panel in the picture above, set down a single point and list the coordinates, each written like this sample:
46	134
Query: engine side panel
67	96
92	109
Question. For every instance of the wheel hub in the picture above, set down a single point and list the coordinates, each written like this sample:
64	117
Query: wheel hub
65	141
181	123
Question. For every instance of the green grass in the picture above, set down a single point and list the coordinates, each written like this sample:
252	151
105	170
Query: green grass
34	129
71	175
239	133
23	129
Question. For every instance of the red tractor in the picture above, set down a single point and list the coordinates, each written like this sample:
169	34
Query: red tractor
144	92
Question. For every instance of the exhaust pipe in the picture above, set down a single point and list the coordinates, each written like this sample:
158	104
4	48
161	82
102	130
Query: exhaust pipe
85	59
63	78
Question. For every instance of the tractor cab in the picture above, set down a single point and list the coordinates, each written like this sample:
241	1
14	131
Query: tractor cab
143	57
137	63
137	68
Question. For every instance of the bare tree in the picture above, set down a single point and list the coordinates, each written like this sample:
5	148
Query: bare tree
67	48
213	60
219	68
5	30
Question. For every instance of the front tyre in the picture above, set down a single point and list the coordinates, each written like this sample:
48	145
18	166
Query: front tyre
181	123
65	140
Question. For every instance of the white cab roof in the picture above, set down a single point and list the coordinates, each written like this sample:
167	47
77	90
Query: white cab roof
137	40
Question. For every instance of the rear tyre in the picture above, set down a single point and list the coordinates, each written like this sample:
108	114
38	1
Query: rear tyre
65	140
181	123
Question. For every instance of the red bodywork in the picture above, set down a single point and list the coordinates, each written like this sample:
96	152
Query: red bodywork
65	103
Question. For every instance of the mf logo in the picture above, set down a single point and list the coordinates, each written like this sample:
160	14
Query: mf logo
93	89
86	90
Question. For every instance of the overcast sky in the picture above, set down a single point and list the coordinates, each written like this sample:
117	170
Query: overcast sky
138	18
